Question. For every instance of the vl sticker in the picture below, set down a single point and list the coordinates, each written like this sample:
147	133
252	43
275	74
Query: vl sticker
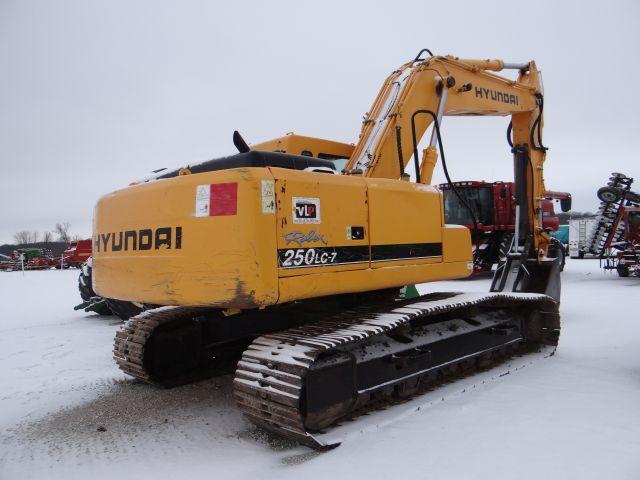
305	210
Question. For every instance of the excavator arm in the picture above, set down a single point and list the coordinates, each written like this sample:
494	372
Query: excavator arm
421	93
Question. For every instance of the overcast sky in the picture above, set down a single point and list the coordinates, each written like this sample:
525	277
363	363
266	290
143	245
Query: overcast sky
95	94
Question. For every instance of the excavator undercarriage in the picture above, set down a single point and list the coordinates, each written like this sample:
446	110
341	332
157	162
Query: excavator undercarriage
315	368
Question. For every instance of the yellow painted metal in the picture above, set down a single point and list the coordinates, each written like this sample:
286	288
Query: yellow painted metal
491	65
343	203
231	261
226	261
471	90
303	145
429	160
402	213
364	280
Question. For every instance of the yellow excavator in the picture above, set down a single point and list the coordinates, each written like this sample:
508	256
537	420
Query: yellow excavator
283	263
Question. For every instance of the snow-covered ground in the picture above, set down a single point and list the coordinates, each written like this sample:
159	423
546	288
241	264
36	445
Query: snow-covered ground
572	415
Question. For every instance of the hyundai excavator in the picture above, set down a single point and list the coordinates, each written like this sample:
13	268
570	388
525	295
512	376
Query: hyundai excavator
276	265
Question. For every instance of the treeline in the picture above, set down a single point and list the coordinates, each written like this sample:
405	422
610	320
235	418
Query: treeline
59	234
56	240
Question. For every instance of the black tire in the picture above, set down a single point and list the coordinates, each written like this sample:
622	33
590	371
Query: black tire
609	194
122	309
85	286
623	270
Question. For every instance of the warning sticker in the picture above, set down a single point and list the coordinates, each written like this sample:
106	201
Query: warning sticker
217	199
305	210
203	198
268	196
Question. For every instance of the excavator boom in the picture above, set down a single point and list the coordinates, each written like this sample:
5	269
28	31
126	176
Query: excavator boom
421	93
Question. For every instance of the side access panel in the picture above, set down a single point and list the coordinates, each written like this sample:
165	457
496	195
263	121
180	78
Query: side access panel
406	223
322	223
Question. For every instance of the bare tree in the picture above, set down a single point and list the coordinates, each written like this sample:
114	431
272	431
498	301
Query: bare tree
35	236
76	238
47	237
22	237
62	230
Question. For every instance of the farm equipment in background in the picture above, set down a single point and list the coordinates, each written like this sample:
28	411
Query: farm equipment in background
495	215
37	257
29	259
7	263
77	253
92	302
615	237
627	257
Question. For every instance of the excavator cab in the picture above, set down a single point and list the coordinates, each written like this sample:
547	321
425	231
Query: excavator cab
479	197
336	152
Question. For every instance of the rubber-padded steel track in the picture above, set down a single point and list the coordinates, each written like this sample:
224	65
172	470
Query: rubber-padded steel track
171	346
270	380
133	348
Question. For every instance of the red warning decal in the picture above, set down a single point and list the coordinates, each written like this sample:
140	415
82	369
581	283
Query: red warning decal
223	199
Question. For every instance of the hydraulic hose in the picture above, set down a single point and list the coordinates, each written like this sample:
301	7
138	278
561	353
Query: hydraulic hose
509	130
536	128
462	200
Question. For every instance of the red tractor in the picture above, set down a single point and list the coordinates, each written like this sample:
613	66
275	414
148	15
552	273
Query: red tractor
493	207
77	253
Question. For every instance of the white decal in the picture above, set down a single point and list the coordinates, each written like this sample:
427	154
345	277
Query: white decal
305	210
268	196
307	257
203	200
